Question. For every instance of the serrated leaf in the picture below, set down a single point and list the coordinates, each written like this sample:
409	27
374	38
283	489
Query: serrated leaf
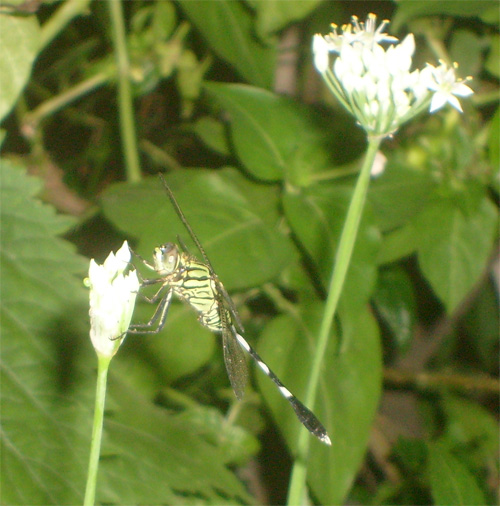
234	219
48	382
19	41
454	246
151	457
346	400
228	28
451	481
274	137
41	297
316	216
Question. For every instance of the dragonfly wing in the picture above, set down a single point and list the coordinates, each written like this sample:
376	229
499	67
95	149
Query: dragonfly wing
235	361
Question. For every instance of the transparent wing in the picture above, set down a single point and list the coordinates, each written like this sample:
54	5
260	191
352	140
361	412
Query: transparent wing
234	358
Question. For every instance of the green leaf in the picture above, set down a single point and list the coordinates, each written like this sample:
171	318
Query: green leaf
454	246
316	216
492	64
471	426
274	15
19	41
410	10
274	137
397	244
229	29
41	298
398	195
395	302
451	481
180	349
48	382
346	400
234	219
213	134
151	457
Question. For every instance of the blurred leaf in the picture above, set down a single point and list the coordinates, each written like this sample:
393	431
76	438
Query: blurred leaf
471	425
19	41
451	482
454	246
482	324
228	28
347	397
467	49
274	137
410	10
397	244
399	194
273	15
493	58
316	216
395	302
213	134
234	219
494	150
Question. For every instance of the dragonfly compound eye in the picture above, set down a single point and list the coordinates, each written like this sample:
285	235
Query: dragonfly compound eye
166	258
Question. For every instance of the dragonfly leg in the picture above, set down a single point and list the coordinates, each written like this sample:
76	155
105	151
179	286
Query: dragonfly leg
159	315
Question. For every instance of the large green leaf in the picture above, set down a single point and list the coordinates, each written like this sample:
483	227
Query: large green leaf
228	28
454	244
41	446
347	397
19	41
234	219
316	216
48	382
274	137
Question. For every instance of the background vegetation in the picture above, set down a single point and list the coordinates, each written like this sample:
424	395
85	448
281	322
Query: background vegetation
226	102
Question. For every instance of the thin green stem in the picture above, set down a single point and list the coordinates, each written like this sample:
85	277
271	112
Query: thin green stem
56	24
297	488
127	124
49	107
95	445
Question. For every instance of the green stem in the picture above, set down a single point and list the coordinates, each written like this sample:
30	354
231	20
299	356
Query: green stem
95	445
127	124
49	107
297	488
56	24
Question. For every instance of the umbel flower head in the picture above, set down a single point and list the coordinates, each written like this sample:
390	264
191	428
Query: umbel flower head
375	84
112	300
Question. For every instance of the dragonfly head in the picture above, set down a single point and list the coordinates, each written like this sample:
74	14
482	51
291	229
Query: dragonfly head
166	258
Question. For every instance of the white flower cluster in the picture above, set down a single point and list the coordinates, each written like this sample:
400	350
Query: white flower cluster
112	300
375	84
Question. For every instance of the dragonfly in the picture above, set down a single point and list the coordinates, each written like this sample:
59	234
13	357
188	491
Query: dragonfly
196	283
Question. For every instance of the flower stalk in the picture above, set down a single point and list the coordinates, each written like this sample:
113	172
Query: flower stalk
377	86
112	301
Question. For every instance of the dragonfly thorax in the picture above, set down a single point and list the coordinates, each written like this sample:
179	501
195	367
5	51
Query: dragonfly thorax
166	258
